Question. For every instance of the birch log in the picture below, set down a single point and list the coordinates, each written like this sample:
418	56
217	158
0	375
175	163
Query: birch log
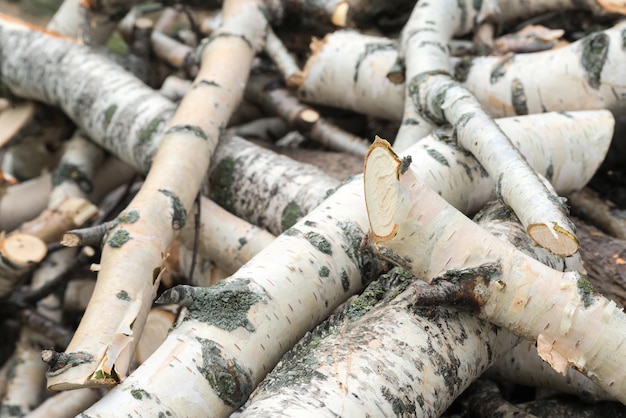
136	248
439	99
216	360
574	327
383	356
353	61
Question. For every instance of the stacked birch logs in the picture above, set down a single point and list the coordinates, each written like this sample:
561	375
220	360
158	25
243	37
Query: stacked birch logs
234	280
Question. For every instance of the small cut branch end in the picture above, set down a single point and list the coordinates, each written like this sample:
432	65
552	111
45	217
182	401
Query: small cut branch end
557	240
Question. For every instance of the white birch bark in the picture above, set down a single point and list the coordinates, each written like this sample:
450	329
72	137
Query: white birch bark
359	64
66	404
290	286
509	288
264	188
522	365
219	359
439	99
382	356
105	339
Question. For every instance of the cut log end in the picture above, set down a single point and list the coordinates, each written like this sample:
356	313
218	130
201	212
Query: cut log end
70	240
557	240
340	14
381	172
23	249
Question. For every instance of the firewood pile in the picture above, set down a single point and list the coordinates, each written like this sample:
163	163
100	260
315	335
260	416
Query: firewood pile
359	209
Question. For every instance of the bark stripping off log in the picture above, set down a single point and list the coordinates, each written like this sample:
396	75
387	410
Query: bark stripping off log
509	293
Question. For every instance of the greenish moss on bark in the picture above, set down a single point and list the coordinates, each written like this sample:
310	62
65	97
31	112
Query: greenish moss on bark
139	394
179	214
122	295
372	294
108	115
437	156
129	217
222	181
62	361
518	97
585	290
231	381
595	49
225	305
499	70
195	130
71	172
324	271
119	238
345	280
291	214
102	375
319	242
298	367
147	133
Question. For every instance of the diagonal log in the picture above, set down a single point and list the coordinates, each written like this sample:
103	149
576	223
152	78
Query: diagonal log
412	226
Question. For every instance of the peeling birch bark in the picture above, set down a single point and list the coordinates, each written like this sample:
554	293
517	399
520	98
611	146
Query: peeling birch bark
497	275
103	348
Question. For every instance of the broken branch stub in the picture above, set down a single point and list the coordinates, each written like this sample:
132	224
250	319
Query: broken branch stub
571	323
